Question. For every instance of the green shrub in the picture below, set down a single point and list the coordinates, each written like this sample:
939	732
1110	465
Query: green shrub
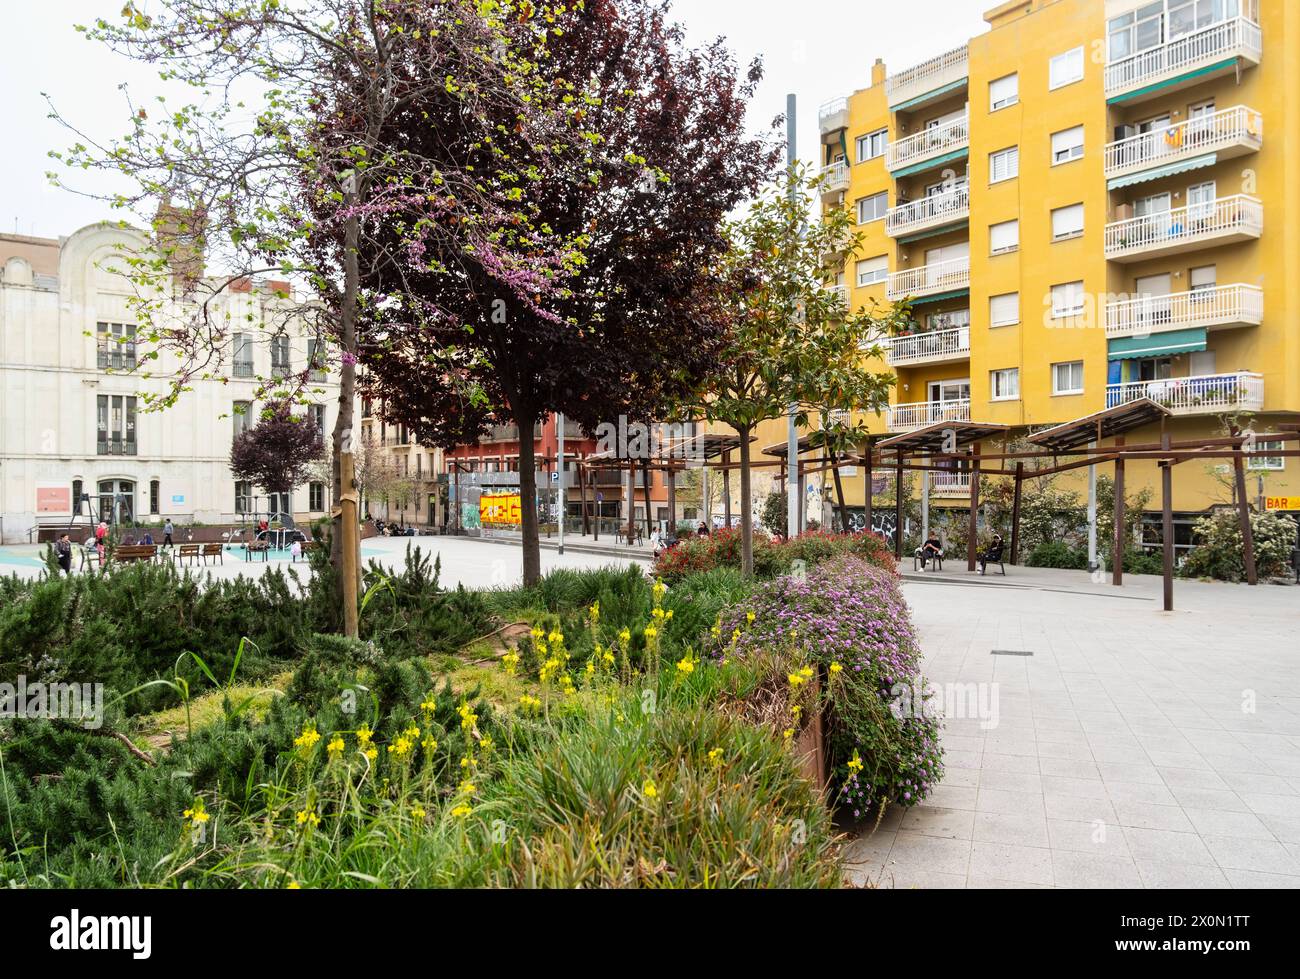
1220	552
1057	554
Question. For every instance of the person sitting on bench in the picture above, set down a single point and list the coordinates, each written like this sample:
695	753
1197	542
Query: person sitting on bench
932	549
993	554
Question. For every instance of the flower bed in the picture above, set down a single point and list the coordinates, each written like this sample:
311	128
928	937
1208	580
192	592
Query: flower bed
771	557
845	625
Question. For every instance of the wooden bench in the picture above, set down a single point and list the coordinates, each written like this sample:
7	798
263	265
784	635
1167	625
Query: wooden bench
213	550
190	552
257	547
306	547
127	553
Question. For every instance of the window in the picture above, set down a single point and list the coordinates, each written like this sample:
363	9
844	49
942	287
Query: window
316	359
1066	68
243	496
153	495
1067	222
280	354
1067	300
317	415
873	270
1204	278
115	417
116	346
1004	164
1004	92
1270	463
872	145
1004	310
1067	378
1136	31
1004	385
243	358
873	208
77	490
1067	145
316	497
1004	237
242	413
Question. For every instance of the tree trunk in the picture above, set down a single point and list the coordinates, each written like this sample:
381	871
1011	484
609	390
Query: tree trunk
839	490
343	440
528	498
746	507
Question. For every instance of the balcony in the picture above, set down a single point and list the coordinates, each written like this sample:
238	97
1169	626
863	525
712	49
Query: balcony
949	484
1184	229
933	347
1218	49
1217	308
930	79
1221	135
116	359
116	447
1202	394
929	280
918	414
932	145
834	179
929	213
242	368
833	115
840	291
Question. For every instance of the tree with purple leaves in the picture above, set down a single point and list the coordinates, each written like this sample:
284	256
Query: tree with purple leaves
278	452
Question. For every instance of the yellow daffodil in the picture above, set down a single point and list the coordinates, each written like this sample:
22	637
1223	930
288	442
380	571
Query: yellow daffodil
855	763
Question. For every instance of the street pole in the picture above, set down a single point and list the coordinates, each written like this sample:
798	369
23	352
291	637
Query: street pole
792	433
1092	515
559	428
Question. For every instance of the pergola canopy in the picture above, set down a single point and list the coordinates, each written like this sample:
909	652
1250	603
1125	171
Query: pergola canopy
688	448
935	438
1101	425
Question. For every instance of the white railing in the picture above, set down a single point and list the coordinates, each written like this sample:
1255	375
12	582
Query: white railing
918	414
1238	214
1186	53
834	177
830	108
949	484
951	205
1199	394
929	75
932	141
837	417
927	346
842	291
1144	315
939	277
1227	127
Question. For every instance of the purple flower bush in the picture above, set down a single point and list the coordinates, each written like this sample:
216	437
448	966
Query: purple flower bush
846	620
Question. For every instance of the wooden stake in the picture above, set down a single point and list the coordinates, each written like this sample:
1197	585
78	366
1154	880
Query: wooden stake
1015	513
972	539
1167	524
1243	512
898	509
1117	560
351	549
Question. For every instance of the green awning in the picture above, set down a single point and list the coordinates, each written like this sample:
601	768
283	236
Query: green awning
1182	166
929	96
937	161
940	296
1158	344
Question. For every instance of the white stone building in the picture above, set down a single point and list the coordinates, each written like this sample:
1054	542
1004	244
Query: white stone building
72	417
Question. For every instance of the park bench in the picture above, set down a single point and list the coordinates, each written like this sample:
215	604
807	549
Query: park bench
188	552
213	550
306	547
127	553
254	547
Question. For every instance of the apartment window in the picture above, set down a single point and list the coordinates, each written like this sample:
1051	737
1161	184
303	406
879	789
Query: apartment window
242	413
115	418
154	493
1267	463
873	270
243	496
873	208
316	497
317	415
316	359
1204	277
1004	237
1136	31
1004	310
872	145
1004	92
77	490
1066	68
116	346
1067	300
1004	164
243	355
1067	222
280	354
1067	378
1004	385
1067	145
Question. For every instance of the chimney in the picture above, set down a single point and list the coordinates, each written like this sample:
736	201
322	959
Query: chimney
878	73
179	232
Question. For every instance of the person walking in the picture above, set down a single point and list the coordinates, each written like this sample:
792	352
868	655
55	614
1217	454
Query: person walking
63	551
168	529
101	539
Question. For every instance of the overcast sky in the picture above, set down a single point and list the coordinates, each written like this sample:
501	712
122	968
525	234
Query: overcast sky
817	49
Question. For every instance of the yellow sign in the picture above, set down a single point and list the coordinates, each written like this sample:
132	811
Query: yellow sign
498	509
1282	503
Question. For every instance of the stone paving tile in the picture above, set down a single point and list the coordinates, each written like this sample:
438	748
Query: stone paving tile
1023	828
1088	837
933	821
1265	856
1079	808
993	762
1284	828
1084	788
1001	800
1140	792
905	880
1160	874
1192	778
1254	880
1162	845
952	796
1024	782
1124	772
1093	870
1273	805
1222	822
1006	861
1224	799
912	853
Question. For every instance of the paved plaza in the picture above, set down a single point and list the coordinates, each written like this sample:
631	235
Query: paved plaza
1134	748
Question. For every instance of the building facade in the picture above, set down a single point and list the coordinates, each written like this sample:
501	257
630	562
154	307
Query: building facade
74	420
1093	202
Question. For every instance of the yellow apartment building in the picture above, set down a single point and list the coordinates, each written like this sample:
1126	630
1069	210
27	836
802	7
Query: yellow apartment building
1092	202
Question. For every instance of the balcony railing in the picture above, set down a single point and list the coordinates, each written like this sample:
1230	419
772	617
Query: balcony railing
1168	232
936	345
841	291
1197	395
930	142
116	359
1230	305
833	115
834	178
1237	37
918	414
1236	130
242	368
929	212
949	484
928	279
949	67
116	447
